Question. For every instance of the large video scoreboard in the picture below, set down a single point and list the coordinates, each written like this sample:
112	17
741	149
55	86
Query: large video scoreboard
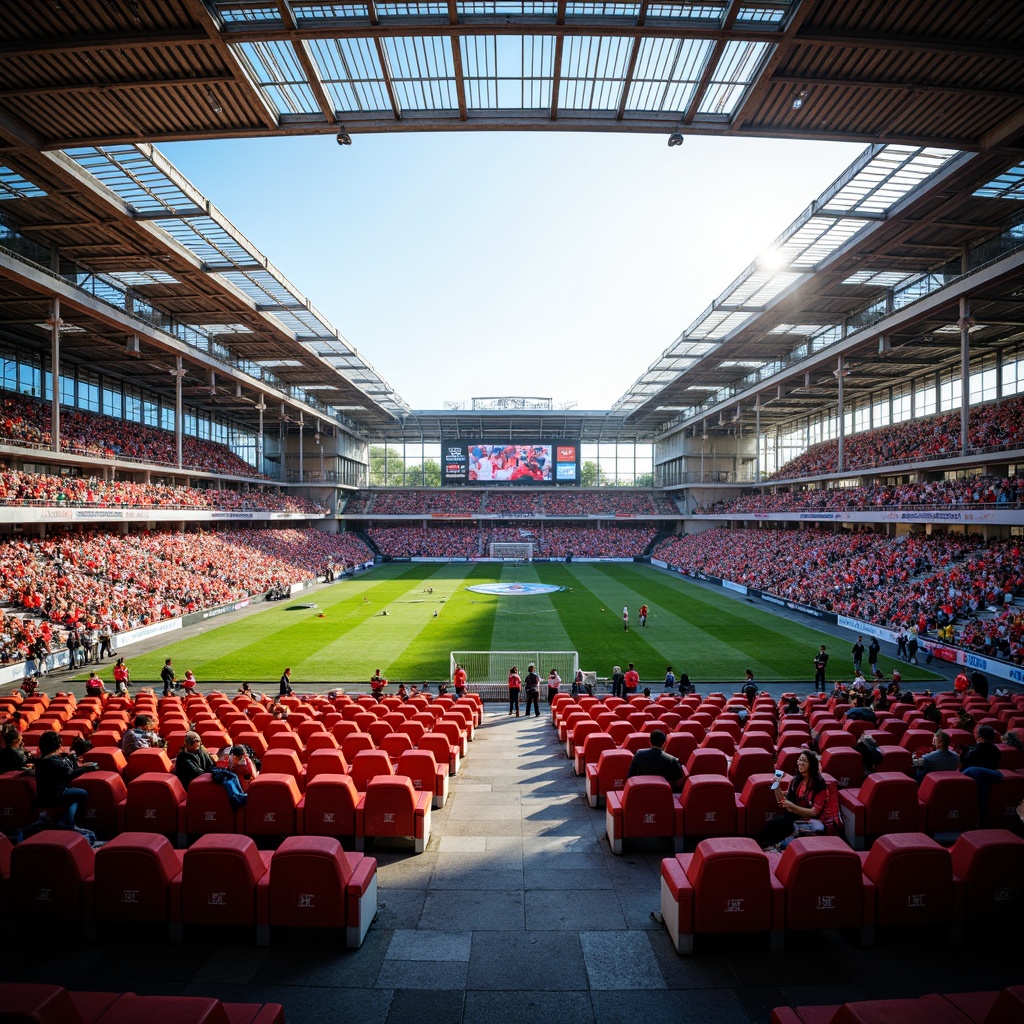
540	462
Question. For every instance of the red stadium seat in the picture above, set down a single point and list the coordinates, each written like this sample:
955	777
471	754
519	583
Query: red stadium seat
645	808
17	801
313	883
757	803
709	807
680	745
950	805
444	751
354	742
394	744
845	765
49	873
577	736
725	886
156	803
208	809
886	803
148	759
134	876
328	806
913	880
708	761
104	811
392	808
325	762
591	749
367	764
426	774
991	864
218	881
608	774
749	761
283	761
273	800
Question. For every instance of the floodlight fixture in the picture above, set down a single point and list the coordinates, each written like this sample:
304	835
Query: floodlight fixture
675	139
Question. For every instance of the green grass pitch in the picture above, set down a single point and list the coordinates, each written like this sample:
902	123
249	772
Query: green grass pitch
696	630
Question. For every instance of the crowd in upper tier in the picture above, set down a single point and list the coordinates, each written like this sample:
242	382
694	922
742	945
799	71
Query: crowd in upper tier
966	491
928	582
26	421
563	502
467	541
20	488
75	579
933	437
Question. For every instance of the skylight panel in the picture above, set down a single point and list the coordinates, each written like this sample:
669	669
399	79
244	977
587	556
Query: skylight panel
667	72
140	278
734	73
350	70
878	279
14	186
275	70
1008	185
593	72
508	71
422	72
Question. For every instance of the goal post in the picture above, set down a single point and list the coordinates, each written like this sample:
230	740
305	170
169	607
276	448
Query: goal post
518	550
493	666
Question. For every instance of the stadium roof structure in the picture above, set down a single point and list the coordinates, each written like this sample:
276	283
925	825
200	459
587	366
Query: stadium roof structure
882	271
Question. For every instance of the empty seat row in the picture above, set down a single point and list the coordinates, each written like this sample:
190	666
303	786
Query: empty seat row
729	885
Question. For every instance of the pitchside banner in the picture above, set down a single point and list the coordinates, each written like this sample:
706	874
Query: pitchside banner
534	462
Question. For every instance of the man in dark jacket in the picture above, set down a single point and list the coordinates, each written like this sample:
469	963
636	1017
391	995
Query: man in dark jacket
654	761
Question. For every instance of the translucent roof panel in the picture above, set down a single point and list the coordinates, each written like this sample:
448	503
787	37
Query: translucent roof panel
760	287
667	72
275	70
139	278
207	239
593	72
890	175
817	238
508	71
1008	185
351	72
260	285
128	171
423	72
878	279
14	186
733	75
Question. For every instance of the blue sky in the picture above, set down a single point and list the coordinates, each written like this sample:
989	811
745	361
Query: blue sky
549	264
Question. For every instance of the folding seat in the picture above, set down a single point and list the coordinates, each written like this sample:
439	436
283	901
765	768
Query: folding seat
558	701
102	737
913	881
444	751
476	703
156	803
414	730
1011	758
395	719
611	703
455	732
695	729
758	739
731	725
325	762
219	875
670	718
680	745
261	719
607	774
703	719
619	730
320	741
49	875
635	741
824	886
725	886
886	803
17	801
368	763
147	760
104	811
709	807
427	775
305	730
749	761
719	740
208	809
378	729
285	762
252	738
395	744
354	742
637	719
822	718
895	759
786	759
215	739
577	736
1001	808
895	727
339	730
426	719
591	750
991	864
917	741
569	722
364	718
273	800
392	808
845	765
707	761
313	883
286	741
645	808
134	876
835	737
757	803
793	735
950	805
328	806
587	702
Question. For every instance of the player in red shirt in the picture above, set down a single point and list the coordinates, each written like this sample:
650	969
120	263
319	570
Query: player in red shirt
632	681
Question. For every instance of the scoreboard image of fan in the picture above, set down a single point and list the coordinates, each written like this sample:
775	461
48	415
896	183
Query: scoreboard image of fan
540	462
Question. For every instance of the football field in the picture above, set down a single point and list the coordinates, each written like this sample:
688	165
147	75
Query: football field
696	630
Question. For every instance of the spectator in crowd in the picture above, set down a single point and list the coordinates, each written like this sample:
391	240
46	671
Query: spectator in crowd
192	760
940	759
654	761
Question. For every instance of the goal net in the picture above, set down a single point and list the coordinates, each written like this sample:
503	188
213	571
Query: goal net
520	550
493	666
